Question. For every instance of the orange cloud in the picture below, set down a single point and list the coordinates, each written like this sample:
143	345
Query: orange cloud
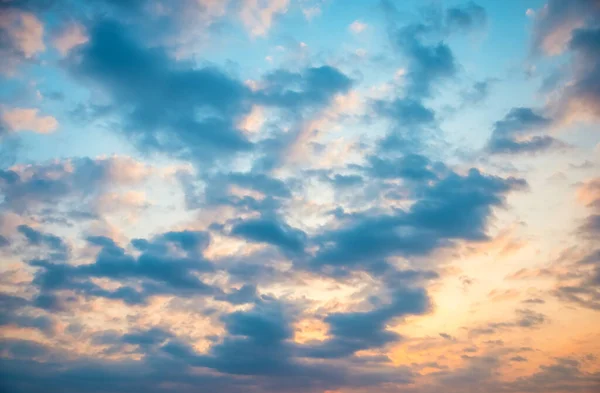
589	192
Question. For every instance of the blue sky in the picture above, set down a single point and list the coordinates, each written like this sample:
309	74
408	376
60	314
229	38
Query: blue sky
317	196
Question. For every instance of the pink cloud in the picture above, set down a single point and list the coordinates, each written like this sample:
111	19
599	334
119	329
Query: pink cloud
73	35
24	34
27	119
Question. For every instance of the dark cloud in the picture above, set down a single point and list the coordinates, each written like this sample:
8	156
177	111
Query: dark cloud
156	268
159	98
584	290
77	181
447	336
4	242
429	64
477	93
246	294
49	302
511	135
355	331
406	112
38	238
591	226
554	23
525	318
572	26
217	191
534	301
455	207
17	311
171	107
271	231
313	86
518	359
466	17
415	167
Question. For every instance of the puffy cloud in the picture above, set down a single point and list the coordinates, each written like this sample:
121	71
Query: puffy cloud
265	230
32	186
455	207
37	238
466	17
265	263
258	15
511	135
357	27
70	37
164	111
159	267
572	26
589	194
313	86
21	37
556	21
356	331
27	119
429	64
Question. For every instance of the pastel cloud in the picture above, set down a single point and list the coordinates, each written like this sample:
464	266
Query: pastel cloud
570	27
214	220
72	36
27	119
22	35
357	27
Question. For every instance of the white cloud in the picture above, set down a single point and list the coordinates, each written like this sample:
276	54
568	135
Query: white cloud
257	15
357	27
311	12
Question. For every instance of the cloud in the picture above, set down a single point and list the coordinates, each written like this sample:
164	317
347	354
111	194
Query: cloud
589	194
571	27
27	188
314	86
258	15
525	318
555	22
413	167
466	17
271	231
27	119
160	269
454	207
37	238
356	331
511	135
406	112
21	37
429	64
477	93
357	27
310	230
15	312
71	36
163	115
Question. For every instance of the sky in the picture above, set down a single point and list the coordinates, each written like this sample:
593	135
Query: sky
311	196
